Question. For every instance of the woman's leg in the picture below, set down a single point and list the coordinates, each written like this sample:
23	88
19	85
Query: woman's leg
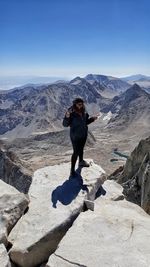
81	148
75	145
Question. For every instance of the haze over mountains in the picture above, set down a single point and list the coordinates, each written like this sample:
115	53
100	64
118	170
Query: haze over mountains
9	82
142	80
136	78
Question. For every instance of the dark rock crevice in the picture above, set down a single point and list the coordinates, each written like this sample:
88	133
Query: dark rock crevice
71	262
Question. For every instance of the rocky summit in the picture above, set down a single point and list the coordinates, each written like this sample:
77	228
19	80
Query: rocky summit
73	221
55	202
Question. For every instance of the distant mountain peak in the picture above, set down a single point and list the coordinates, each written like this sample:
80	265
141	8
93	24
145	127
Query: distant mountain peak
134	97
136	77
112	83
77	80
136	89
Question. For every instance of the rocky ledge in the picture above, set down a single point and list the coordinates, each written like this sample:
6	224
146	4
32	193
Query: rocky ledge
55	202
116	233
72	221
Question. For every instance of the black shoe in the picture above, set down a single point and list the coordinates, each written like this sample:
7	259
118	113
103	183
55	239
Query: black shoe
84	163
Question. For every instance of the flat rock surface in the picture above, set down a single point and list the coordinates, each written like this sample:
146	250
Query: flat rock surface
115	234
55	201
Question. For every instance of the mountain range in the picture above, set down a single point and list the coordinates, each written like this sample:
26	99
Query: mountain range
28	110
33	109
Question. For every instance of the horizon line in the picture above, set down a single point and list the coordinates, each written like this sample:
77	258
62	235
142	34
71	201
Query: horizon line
69	76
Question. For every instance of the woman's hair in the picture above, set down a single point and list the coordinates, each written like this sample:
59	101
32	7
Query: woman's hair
76	101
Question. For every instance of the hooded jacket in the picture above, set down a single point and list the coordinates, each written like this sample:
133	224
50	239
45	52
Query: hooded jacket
78	124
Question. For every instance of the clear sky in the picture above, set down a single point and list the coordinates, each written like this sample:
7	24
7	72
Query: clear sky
74	37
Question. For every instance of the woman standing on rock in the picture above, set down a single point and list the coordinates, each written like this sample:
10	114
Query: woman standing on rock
78	119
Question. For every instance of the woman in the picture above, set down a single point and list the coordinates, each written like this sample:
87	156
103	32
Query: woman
77	118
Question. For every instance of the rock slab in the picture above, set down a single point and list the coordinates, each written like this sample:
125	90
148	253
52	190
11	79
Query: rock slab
117	233
55	202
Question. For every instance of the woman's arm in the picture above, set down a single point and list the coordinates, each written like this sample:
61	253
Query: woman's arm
90	120
67	119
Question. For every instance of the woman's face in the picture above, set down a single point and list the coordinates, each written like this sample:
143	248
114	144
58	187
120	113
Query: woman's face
79	106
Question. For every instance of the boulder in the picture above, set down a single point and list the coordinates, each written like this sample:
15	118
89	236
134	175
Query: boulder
135	160
135	176
4	259
55	202
13	172
110	190
12	207
116	233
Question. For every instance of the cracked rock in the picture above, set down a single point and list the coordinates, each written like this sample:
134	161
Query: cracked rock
116	233
55	202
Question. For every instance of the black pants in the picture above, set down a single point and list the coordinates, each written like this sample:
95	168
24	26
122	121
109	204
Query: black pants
78	146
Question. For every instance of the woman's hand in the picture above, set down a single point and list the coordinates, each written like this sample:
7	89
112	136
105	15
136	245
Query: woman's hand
97	116
67	114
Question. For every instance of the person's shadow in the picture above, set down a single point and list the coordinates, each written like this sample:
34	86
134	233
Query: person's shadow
101	192
69	190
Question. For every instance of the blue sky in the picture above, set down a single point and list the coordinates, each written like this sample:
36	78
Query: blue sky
67	38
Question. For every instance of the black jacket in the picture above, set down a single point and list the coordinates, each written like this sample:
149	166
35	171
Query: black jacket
78	124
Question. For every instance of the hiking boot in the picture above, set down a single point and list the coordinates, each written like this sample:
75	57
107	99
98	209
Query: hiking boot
84	163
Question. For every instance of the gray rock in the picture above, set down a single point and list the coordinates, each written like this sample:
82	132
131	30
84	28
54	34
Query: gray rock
135	160
12	171
117	233
4	259
55	202
145	186
112	191
12	207
135	177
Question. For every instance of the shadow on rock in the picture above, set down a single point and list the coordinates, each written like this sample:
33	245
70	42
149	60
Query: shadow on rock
69	190
101	192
